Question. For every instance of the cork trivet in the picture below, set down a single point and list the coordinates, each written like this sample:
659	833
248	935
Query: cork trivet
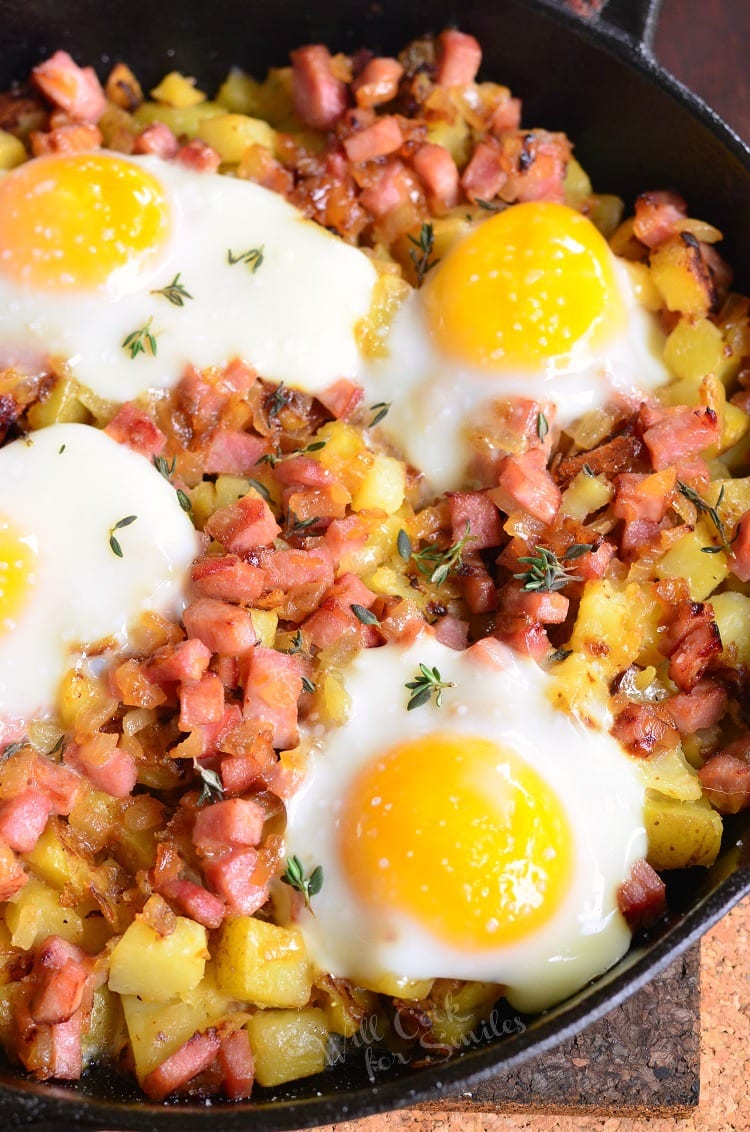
642	1058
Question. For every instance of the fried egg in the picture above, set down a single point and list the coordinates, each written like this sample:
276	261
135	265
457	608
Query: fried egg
531	303
130	268
73	573
481	838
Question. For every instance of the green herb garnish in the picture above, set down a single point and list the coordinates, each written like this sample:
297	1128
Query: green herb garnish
253	258
380	410
546	573
366	616
141	341
174	292
437	564
165	469
427	683
421	253
308	886
114	543
211	786
705	508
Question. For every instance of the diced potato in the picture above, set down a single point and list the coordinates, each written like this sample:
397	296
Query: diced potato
229	489
56	863
671	775
238	92
371	332
202	503
643	285
735	498
732	612
158	968
687	559
682	278
265	622
577	184
231	134
12	151
156	1030
288	1044
696	348
397	986
456	1009
263	964
734	427
681	834
344	453
609	624
345	1006
106	1034
585	495
454	136
178	90
270	100
605	211
383	486
60	407
84	703
332	698
183	121
36	912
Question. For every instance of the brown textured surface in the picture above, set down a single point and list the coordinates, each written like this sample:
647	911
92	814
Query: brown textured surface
725	1062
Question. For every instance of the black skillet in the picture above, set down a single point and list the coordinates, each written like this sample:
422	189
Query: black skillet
635	128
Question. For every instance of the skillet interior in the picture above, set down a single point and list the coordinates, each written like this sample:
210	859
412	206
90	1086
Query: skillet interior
633	129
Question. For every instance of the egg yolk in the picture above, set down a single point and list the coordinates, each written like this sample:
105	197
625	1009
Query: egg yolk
75	222
525	288
17	561
461	835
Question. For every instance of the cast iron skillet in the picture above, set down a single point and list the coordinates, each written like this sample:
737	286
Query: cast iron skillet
635	128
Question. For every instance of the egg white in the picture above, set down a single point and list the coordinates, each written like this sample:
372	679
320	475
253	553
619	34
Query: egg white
436	401
293	318
503	699
64	488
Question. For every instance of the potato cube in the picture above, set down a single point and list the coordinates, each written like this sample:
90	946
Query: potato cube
687	559
681	834
183	121
158	968
643	285
585	495
682	278
238	92
231	134
732	612
671	775
455	1009
696	348
62	405
37	912
178	90
397	986
12	151
265	622
288	1044
383	486
264	964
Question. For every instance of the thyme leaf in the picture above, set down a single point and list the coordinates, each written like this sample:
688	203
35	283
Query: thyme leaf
437	564
705	508
211	786
13	749
140	341
542	426
366	616
280	397
308	886
114	543
298	526
380	410
253	258
560	654
174	292
427	683
165	469
307	685
403	545
547	573
490	205
421	253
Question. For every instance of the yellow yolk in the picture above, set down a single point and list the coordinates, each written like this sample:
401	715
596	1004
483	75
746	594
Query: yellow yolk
17	560
73	221
524	288
461	835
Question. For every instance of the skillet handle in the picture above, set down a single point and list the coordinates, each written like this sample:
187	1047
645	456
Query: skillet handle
636	18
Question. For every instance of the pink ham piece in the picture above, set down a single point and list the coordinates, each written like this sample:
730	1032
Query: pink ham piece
273	686
232	824
658	217
201	702
230	876
377	82
228	578
237	1065
189	1060
243	525
133	427
378	140
438	172
106	765
23	819
195	902
319	97
198	157
234	452
459	58
186	661
76	90
642	898
526	483
703	707
725	779
159	140
476	511
223	628
485	174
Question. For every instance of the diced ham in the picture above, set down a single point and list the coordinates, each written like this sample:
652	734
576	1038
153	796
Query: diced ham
725	780
237	1065
642	898
484	176
643	497
475	511
185	661
595	563
181	1067
74	137
342	399
106	765
232	824
378	140
739	559
477	585
319	97
134	686
290	569
23	819
198	157
389	191
62	786
658	217
438	172
239	377
304	471
523	635
637	536
345	536
645	729
452	632
157	139
195	902
225	629
231	877
677	433
228	578
535	163
272	689
703	707
525	481
234	452
690	642
60	994
609	458
507	116
377	82
243	525
548	608
76	90
459	58
201	701
132	426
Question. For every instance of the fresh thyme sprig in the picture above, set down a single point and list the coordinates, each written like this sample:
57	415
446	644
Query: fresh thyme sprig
299	526
211	786
114	543
308	886
380	410
424	686
280	397
437	564
174	292
546	573
307	685
274	458
705	508
141	341
253	258
165	469
421	254
363	615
